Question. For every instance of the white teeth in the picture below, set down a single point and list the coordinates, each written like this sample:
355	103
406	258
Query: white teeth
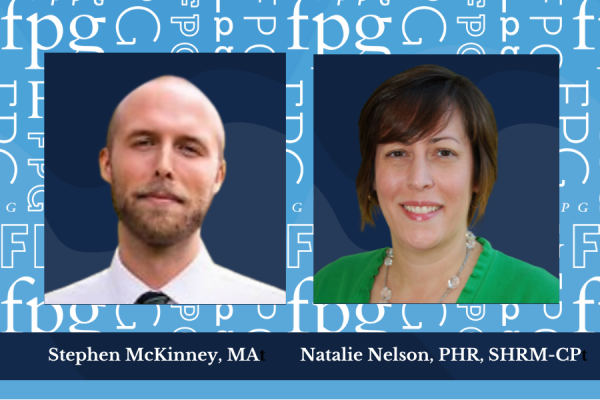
421	210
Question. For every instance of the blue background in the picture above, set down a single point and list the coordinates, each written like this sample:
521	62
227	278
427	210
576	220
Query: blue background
578	199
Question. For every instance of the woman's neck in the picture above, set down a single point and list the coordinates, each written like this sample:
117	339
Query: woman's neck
417	276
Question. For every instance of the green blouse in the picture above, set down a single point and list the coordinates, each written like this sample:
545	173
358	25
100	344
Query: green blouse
497	278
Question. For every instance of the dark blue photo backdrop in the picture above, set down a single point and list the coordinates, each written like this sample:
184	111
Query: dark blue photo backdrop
520	219
243	229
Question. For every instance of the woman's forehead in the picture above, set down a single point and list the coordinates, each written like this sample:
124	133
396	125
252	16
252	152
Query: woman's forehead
451	124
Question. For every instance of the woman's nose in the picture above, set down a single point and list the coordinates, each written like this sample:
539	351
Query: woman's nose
420	176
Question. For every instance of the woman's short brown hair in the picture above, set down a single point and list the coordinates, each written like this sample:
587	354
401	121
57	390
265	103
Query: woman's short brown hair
414	105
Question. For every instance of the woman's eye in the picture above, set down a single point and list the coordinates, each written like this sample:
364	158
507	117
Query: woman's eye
396	153
445	153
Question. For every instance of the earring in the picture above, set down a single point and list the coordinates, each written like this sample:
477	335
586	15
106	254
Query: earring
369	196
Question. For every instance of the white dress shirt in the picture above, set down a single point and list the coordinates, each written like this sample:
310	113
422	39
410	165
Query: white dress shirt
201	282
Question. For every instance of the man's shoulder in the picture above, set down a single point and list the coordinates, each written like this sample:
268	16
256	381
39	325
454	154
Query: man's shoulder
244	290
91	290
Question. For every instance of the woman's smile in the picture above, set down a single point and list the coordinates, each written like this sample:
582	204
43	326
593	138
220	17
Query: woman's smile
421	213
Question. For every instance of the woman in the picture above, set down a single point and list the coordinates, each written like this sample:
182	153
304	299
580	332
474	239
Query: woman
429	143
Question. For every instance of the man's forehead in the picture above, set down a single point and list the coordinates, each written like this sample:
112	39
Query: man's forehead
164	92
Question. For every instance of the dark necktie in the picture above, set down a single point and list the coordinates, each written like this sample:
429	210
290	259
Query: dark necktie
153	298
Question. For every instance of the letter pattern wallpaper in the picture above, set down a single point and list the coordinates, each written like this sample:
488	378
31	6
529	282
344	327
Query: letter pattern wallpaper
301	29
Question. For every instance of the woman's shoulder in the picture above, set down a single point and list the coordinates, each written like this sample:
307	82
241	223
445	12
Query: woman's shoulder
356	260
348	279
505	279
530	275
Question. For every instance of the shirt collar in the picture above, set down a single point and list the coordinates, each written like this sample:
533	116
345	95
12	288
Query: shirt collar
185	288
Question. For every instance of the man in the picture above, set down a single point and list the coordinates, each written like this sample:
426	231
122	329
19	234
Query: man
164	160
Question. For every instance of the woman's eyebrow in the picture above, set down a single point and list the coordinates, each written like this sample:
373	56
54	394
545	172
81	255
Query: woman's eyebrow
437	139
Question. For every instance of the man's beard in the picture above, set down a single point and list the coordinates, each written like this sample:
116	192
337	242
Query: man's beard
158	226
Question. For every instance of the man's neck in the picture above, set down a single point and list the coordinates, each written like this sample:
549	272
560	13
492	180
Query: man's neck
156	266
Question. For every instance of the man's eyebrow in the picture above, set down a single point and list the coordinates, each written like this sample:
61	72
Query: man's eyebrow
141	132
183	138
194	140
438	139
199	143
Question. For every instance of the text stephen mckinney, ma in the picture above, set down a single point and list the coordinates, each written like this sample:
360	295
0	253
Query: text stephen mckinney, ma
155	354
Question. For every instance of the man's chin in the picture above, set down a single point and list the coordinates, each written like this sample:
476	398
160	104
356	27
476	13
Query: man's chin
161	227
161	237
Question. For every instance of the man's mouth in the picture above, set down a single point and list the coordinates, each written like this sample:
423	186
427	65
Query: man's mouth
161	196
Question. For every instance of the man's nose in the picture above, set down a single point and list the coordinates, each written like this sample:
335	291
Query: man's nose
420	175
164	163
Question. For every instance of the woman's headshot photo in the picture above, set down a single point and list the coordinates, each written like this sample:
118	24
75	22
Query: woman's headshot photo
433	174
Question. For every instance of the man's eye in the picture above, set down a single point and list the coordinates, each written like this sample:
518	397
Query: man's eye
189	150
143	143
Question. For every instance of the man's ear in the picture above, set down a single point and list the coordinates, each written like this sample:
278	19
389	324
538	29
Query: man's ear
105	167
220	177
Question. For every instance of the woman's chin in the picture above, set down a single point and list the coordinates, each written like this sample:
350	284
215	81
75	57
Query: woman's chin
422	245
421	242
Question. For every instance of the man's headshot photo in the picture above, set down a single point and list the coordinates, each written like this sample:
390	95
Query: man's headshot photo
166	160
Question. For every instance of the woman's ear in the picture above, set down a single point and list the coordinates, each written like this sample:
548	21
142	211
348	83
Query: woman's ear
476	187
